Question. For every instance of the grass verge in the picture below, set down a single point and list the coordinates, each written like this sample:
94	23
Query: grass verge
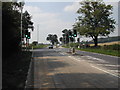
39	46
15	69
102	51
112	50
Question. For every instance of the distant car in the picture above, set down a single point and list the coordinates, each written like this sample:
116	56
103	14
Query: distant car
50	47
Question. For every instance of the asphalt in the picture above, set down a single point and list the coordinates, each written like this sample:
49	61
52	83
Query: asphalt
111	59
54	68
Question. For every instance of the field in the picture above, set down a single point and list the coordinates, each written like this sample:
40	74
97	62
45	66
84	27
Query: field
109	43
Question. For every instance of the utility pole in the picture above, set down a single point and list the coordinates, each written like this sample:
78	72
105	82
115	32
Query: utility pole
38	33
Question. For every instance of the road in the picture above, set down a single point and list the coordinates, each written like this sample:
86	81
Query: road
54	68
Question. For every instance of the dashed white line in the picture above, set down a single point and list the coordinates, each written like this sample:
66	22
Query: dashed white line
105	71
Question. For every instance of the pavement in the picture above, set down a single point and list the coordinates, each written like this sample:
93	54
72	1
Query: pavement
54	68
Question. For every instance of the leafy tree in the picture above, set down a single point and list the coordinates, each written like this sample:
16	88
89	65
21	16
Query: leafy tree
61	39
10	27
66	39
27	23
35	42
94	20
11	32
52	38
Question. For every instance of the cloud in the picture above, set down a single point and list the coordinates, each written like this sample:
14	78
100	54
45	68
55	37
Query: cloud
72	8
32	9
49	23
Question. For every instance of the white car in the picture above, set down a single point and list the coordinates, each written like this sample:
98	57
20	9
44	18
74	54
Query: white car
51	47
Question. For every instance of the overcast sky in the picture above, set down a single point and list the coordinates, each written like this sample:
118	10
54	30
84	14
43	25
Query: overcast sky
53	17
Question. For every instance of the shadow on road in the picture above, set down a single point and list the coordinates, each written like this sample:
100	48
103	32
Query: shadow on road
56	71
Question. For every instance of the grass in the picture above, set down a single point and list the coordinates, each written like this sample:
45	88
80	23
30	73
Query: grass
39	46
15	69
102	51
110	49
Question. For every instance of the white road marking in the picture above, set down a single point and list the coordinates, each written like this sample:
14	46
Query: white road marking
105	71
75	58
101	60
62	53
116	71
112	65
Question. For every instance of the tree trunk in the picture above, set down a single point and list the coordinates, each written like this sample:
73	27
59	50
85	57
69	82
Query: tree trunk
96	41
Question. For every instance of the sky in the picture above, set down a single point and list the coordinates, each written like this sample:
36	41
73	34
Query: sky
53	17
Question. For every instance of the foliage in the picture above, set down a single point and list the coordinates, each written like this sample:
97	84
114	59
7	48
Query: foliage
10	27
15	69
26	23
35	42
94	20
52	38
66	39
61	39
11	21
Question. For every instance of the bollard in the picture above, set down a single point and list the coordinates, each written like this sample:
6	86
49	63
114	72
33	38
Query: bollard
32	47
73	50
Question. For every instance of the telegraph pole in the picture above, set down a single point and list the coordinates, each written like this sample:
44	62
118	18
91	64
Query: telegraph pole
38	33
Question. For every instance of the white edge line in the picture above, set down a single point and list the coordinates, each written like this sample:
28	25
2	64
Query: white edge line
105	71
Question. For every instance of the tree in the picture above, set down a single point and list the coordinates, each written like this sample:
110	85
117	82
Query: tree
11	32
27	23
35	42
94	20
52	38
61	39
66	37
10	27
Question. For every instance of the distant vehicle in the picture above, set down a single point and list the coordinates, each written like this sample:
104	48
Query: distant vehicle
51	47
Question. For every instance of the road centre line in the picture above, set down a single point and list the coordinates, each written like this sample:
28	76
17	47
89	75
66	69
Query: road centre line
105	71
